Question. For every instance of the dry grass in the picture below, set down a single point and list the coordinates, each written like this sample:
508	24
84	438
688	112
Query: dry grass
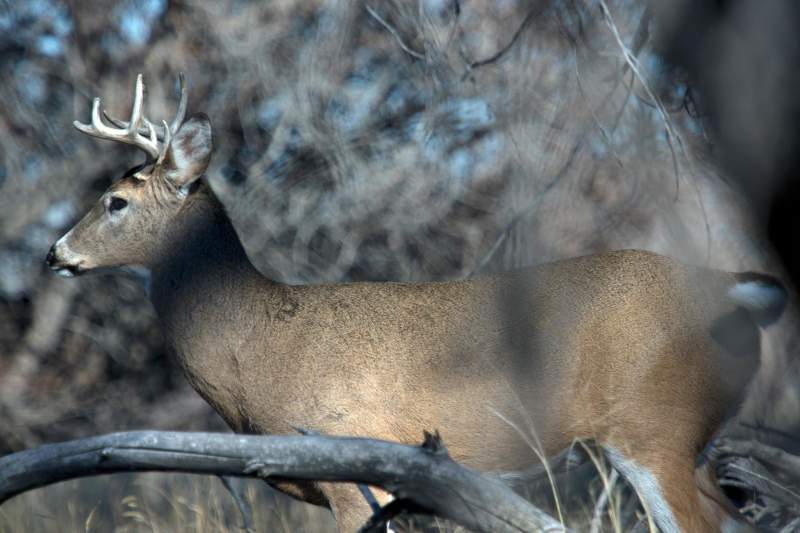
157	503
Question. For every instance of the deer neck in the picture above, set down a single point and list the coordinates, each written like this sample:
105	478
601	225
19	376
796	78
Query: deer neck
203	273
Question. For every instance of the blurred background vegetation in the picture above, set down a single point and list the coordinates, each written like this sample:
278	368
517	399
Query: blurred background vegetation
392	140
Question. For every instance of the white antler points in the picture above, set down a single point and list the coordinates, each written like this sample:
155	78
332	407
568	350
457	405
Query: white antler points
139	131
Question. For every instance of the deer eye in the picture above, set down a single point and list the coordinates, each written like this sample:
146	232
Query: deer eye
117	204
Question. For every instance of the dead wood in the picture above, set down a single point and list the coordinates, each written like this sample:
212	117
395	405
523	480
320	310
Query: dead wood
768	476
423	478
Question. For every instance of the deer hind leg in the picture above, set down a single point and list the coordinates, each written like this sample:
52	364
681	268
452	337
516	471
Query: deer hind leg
648	487
349	506
668	488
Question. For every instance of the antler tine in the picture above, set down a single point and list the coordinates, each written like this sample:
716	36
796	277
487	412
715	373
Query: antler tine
165	146
143	130
88	128
174	125
130	132
104	131
136	110
182	103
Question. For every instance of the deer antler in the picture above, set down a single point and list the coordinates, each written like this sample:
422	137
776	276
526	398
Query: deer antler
139	131
174	125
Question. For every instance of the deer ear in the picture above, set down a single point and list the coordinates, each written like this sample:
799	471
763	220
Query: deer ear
189	151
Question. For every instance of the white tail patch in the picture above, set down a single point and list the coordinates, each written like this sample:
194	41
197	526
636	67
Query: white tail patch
756	296
762	295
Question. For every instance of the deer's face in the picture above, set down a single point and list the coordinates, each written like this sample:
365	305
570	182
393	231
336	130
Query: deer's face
130	223
123	227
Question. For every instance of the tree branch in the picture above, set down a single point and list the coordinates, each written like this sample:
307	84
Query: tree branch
424	476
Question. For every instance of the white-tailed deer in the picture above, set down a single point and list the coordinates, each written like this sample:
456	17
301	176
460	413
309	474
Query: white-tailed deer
644	355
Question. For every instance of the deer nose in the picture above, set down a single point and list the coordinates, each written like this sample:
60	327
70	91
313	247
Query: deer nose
51	256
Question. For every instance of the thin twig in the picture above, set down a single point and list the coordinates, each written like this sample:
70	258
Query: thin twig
631	60
407	49
673	138
764	479
480	63
529	208
595	119
642	34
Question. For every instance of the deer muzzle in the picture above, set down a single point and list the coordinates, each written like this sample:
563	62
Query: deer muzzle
60	260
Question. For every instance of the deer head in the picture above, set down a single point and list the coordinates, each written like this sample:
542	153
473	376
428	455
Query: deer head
127	225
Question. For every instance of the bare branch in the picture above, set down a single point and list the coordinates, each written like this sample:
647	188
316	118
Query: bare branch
424	476
768	472
770	455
